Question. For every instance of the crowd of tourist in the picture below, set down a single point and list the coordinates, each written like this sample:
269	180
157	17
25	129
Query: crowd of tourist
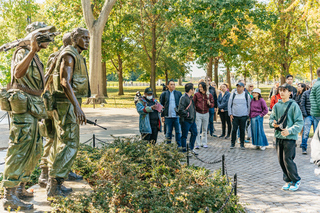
241	111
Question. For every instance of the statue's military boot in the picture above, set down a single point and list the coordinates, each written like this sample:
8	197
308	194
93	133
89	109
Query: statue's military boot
43	179
65	189
10	199
74	176
22	193
54	187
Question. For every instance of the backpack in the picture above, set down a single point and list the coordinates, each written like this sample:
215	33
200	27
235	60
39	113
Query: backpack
234	95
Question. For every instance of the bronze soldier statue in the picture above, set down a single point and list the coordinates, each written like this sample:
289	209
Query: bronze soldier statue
50	129
27	109
43	179
71	84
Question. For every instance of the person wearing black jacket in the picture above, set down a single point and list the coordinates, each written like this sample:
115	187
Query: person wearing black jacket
212	111
187	114
170	100
309	120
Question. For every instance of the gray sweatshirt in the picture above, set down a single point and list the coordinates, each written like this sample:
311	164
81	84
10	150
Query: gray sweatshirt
238	106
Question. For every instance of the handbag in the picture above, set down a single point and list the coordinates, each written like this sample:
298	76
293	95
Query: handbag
282	122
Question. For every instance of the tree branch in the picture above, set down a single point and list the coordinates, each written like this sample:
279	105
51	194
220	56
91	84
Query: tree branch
142	31
87	13
106	9
158	54
114	65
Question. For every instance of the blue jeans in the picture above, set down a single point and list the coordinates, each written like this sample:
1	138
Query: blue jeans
170	123
308	122
186	127
210	125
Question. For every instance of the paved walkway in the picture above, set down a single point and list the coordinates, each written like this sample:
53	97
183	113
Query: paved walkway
259	173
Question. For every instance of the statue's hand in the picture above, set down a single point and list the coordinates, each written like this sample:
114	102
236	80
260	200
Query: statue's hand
34	44
81	118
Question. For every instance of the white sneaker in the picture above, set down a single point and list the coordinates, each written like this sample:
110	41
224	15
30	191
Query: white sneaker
317	171
262	148
295	187
311	161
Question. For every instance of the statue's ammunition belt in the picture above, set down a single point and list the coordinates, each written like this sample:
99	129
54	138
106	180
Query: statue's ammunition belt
25	89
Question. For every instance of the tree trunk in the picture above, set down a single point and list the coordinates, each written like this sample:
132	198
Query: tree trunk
229	77
245	76
96	28
209	68
216	75
167	79
95	67
120	75
311	73
153	61
285	72
104	79
180	81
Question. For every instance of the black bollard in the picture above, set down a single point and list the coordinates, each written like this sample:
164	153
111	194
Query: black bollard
188	154
235	184
94	141
223	169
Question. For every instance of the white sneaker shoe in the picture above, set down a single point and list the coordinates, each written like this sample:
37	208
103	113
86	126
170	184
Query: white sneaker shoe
317	171
311	161
295	187
262	148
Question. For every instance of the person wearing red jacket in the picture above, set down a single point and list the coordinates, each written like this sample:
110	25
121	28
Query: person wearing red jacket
203	102
275	99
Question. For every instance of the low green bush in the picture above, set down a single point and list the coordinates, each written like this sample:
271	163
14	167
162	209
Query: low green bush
131	175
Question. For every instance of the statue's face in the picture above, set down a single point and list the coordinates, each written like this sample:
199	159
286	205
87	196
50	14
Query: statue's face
84	40
44	45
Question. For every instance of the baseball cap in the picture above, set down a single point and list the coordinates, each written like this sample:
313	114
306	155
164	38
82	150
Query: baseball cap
257	90
286	86
240	84
148	90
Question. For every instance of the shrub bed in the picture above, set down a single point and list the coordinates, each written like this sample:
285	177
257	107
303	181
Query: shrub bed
131	175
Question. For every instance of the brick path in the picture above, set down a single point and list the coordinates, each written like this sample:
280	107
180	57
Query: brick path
259	174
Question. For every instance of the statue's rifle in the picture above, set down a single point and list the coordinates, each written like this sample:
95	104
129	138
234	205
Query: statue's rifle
95	124
44	37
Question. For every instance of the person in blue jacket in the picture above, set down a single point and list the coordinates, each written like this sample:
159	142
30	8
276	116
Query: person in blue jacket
149	119
223	111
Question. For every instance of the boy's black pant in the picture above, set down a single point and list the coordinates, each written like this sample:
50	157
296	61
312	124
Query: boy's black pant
238	122
286	150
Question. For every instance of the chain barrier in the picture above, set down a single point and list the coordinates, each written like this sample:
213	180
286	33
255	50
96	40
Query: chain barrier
88	141
207	162
224	173
101	141
227	200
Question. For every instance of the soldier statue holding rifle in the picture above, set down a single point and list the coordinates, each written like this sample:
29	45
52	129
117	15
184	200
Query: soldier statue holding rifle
26	107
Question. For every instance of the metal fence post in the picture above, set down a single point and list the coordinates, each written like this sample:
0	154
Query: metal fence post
94	141
187	153
235	184
223	168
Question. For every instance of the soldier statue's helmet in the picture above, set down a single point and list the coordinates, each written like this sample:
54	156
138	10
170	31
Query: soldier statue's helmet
39	27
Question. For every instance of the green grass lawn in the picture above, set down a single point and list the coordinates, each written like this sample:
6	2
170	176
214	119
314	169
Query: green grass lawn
126	100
